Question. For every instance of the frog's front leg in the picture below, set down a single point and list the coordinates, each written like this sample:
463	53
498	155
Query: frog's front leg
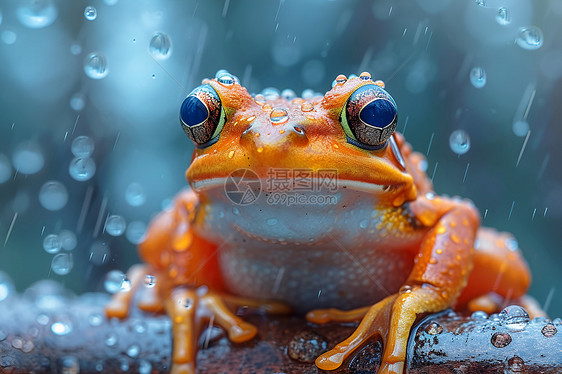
439	274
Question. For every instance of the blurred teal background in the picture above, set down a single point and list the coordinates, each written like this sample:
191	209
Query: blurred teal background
425	51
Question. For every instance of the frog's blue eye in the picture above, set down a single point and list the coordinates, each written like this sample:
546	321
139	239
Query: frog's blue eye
202	116
369	117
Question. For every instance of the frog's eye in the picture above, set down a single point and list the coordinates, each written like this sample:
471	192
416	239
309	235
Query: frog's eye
369	117
202	116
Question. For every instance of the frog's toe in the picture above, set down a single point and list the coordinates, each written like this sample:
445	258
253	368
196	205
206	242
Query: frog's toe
120	303
321	316
238	330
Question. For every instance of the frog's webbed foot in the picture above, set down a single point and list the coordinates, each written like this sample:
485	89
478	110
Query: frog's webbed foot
190	310
148	296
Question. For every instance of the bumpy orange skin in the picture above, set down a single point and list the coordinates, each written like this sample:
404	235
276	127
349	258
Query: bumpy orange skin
446	269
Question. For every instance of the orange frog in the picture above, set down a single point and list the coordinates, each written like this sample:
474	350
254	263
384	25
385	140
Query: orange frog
313	204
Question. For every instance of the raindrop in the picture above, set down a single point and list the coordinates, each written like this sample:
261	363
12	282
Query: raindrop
115	281
288	94
9	37
478	77
307	107
70	365
62	326
530	38
27	158
501	339
278	116
133	351
145	367
99	253
135	232
61	264
549	330
90	13
520	128
271	221
82	146
341	79
77	101
503	17
95	319
115	225
111	339
36	14
134	194
82	169
53	195
149	280
459	141
433	328
6	286
67	240
514	317
5	169
95	65
160	46
75	49
270	93
51	244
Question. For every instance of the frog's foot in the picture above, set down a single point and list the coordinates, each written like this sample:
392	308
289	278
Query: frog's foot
148	300
375	323
190	310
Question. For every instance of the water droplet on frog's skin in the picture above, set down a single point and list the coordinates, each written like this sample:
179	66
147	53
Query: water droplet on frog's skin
149	280
115	225
28	158
341	79
478	77
36	14
95	319
430	195
160	46
259	99
514	317
459	141
278	116
307	107
288	94
500	339
53	195
530	38
351	76
271	221
365	76
51	244
270	93
503	17
433	328
364	223
95	66
62	264
225	79
479	315
511	244
82	169
549	330
267	107
90	13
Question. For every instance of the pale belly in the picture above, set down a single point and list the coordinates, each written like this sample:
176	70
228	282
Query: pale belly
344	255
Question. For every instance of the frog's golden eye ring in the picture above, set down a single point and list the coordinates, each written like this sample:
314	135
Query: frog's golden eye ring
369	117
202	116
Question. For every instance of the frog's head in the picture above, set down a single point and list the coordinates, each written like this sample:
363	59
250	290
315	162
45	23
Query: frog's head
348	131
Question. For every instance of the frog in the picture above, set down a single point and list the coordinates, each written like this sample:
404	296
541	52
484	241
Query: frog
315	206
